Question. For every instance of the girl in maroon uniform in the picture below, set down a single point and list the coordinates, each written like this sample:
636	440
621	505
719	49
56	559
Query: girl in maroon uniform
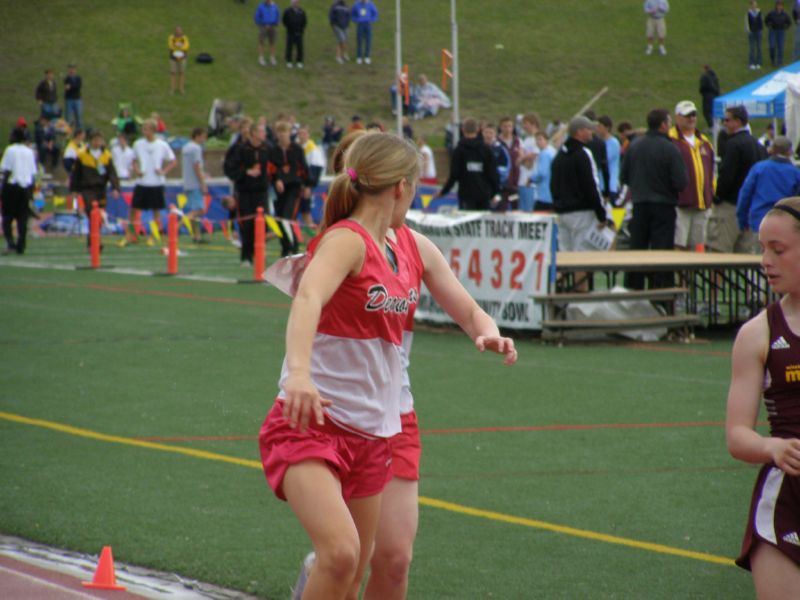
766	361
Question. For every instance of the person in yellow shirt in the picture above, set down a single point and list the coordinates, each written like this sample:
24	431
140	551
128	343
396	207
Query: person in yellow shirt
178	44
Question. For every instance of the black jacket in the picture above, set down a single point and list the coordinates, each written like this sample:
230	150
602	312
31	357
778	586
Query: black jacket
597	147
654	170
779	21
294	19
742	151
245	156
474	168
339	15
573	180
290	165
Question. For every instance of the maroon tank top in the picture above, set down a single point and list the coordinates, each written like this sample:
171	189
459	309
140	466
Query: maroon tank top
782	393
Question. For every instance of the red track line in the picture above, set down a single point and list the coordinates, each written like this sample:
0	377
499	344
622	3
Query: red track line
184	296
576	427
660	348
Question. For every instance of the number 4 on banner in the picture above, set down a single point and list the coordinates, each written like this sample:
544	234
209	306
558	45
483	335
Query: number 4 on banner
474	268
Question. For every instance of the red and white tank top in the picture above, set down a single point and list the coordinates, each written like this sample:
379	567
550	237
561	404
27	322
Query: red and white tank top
407	246
357	356
782	377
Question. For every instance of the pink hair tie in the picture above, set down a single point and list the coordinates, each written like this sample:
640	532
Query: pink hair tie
352	174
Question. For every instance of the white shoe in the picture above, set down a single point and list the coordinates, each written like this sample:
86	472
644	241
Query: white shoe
262	61
272	61
289	65
648	51
340	60
346	58
299	65
302	577
358	60
368	61
662	50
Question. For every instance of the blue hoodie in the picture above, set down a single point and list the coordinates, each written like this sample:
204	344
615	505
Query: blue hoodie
267	14
364	12
766	183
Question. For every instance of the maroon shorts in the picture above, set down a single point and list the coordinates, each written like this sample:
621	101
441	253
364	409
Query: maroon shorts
362	465
774	515
406	449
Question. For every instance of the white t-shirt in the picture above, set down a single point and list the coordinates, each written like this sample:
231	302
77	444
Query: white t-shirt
123	160
527	146
152	156
20	161
429	165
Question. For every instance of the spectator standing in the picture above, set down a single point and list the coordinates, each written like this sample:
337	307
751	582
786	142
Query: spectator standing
339	18
755	26
575	187
194	181
123	156
512	146
331	134
541	174
364	14
291	184
709	90
742	151
21	127
47	96
178	45
777	22
768	137
91	175
502	158
473	167
766	183
656	11
613	156
694	202
315	159
294	20
529	150
654	171
597	147
18	168
75	145
73	106
267	16
252	172
154	159
47	150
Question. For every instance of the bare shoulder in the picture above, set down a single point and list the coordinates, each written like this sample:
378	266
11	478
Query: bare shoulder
343	246
753	337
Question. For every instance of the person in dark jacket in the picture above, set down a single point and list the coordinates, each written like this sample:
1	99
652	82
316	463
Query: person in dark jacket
252	172
473	166
339	18
92	172
742	151
597	147
777	21
291	182
47	96
709	90
755	27
294	19
575	187
654	171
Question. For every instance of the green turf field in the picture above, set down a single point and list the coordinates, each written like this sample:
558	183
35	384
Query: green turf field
130	406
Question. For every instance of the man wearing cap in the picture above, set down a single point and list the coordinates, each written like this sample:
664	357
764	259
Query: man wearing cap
20	128
18	169
654	171
742	151
695	201
575	187
766	183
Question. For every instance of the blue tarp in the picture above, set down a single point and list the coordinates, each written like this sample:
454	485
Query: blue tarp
763	98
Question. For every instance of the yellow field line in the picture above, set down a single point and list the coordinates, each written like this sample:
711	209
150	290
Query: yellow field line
430	502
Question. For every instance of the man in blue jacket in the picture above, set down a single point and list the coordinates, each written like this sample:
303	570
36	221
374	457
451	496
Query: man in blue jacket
766	183
364	14
267	17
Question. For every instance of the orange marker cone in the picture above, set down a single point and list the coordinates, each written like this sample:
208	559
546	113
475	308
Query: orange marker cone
104	578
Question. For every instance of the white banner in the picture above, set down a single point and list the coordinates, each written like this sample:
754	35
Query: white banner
501	260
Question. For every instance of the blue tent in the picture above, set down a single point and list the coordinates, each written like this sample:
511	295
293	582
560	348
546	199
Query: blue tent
764	98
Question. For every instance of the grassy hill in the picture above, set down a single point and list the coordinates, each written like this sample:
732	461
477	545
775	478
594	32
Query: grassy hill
516	55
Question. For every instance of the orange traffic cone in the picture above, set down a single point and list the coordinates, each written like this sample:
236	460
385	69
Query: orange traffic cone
104	578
